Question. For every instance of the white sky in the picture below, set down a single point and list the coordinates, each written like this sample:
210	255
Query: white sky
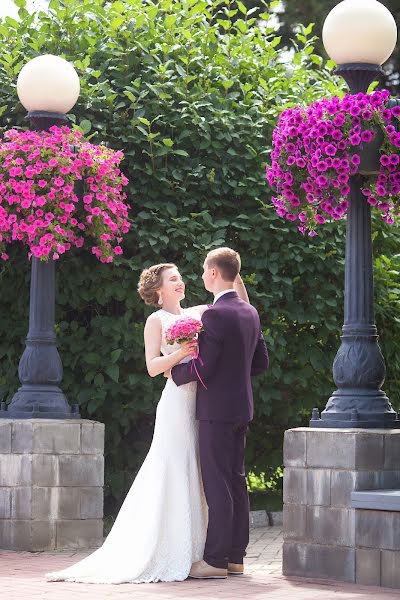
8	8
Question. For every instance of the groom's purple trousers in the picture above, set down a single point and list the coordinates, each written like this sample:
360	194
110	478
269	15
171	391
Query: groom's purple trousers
222	448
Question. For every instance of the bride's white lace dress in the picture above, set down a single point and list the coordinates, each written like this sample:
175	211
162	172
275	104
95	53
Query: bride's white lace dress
161	527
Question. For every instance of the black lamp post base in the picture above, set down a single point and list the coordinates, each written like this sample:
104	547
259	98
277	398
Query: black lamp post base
39	402
355	420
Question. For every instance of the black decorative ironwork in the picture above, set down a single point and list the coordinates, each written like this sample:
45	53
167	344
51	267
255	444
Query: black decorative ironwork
359	367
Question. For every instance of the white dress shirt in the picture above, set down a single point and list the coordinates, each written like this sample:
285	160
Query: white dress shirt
218	296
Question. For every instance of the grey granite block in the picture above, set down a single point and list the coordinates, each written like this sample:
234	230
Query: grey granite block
45	470
259	518
318	487
55	503
392	449
15	535
92	437
294	448
368	566
56	437
377	529
330	449
15	469
332	526
276	518
324	562
295	485
43	535
390	576
5	437
343	483
369	450
22	436
294	521
81	470
91	503
5	503
21	502
79	534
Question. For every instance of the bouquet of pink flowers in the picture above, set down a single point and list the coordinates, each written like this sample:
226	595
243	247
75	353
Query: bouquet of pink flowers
183	330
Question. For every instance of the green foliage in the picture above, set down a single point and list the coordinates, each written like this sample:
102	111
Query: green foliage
192	98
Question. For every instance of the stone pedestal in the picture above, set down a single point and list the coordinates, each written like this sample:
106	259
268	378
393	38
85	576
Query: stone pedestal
324	537
51	484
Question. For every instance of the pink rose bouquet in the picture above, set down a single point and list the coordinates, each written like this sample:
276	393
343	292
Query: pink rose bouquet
185	330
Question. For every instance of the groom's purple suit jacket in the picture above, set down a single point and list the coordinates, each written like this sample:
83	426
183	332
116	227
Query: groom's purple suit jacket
232	349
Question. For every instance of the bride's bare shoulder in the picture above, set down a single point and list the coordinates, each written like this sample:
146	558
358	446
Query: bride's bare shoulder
153	320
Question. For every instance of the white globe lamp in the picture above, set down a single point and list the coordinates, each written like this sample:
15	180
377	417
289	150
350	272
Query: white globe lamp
48	84
359	31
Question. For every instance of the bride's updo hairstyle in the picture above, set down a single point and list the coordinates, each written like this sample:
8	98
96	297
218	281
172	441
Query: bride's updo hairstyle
150	281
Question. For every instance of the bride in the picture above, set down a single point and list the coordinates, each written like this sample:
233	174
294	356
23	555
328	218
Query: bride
162	525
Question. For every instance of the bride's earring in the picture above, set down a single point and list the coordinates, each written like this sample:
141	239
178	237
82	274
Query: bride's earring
160	300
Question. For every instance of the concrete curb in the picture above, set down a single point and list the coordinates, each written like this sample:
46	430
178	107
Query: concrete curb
264	518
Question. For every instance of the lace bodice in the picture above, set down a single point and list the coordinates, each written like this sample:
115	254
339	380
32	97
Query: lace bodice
166	320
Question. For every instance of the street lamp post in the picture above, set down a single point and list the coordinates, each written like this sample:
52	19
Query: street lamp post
48	87
359	35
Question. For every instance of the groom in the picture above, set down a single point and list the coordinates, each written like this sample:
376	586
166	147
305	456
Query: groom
232	349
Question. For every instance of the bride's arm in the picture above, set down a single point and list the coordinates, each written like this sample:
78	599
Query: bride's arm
240	289
155	363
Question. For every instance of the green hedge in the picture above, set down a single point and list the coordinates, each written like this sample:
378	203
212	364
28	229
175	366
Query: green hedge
192	99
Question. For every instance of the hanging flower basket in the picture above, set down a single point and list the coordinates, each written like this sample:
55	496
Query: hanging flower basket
316	150
39	205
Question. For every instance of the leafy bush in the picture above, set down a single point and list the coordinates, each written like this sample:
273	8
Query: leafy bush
192	99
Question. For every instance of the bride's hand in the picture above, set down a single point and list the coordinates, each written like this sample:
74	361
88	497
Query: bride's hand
188	348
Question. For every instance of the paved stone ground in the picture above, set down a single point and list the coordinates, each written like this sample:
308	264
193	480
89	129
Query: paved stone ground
21	578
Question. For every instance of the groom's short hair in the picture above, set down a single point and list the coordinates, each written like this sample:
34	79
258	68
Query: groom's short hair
226	260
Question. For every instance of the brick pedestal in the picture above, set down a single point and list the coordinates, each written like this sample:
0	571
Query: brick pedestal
51	484
323	536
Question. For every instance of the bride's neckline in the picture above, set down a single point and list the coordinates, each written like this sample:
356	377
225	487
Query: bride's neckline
175	314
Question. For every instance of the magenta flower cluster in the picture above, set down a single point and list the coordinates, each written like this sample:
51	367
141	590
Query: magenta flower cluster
316	151
39	205
183	330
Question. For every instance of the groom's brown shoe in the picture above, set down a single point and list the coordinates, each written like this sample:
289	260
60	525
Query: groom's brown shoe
235	569
202	570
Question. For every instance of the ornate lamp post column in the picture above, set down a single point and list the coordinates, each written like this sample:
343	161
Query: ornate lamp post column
359	35
48	87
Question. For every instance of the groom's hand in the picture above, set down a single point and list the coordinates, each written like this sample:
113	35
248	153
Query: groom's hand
167	374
